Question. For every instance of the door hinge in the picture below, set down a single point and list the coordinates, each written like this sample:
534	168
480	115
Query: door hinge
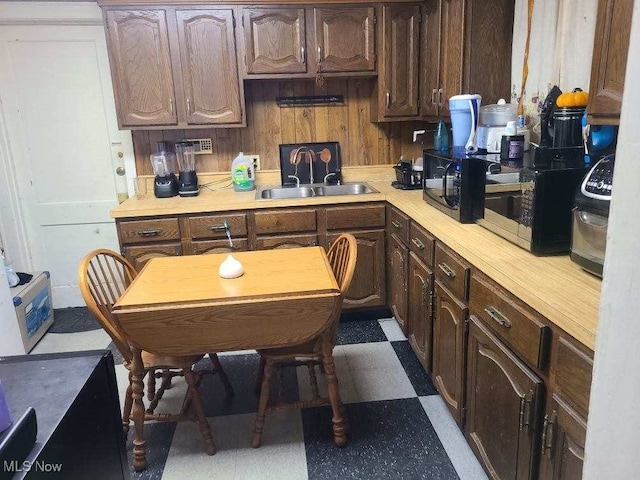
432	300
375	19
548	432
233	20
242	20
123	250
420	18
525	412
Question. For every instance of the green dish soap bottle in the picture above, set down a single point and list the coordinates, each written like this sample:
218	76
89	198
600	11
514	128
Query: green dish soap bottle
242	174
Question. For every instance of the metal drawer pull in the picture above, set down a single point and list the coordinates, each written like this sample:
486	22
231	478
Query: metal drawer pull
149	233
498	317
396	224
417	243
221	226
447	270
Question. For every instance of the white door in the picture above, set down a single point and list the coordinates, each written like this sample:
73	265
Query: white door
62	148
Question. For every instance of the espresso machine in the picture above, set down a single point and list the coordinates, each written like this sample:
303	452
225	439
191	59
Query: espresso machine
163	162
187	178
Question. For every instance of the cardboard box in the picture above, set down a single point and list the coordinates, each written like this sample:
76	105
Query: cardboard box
34	308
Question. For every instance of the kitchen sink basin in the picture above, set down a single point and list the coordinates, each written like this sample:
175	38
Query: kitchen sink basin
272	193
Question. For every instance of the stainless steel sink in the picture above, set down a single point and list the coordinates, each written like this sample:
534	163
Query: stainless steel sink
345	189
274	193
321	190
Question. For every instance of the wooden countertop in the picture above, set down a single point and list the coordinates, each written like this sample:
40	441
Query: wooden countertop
554	286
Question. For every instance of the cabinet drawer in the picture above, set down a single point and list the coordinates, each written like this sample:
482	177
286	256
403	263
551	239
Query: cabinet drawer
285	221
212	226
572	377
355	216
398	223
513	322
452	271
421	243
145	231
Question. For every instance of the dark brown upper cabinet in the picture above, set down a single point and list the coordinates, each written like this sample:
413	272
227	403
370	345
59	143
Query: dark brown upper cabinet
140	58
174	68
345	39
274	40
209	66
465	48
396	94
609	64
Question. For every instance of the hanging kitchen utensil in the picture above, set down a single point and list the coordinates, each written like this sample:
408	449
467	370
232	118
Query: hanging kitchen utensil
325	156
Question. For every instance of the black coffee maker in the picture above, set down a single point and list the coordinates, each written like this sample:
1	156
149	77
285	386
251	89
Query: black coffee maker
561	143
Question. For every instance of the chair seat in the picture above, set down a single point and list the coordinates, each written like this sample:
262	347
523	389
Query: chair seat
153	361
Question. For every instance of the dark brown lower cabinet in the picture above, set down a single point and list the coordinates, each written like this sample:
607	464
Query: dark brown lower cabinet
368	285
286	241
397	278
199	247
563	438
503	400
448	349
138	255
420	307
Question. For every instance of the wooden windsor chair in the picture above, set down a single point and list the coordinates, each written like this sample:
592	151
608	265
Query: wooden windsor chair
103	276
316	352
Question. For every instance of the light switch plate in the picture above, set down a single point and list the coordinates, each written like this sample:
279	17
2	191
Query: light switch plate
202	145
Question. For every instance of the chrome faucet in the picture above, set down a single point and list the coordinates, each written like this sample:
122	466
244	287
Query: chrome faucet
326	177
310	156
296	179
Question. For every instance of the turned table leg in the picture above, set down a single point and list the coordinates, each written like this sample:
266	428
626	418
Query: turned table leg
137	393
339	433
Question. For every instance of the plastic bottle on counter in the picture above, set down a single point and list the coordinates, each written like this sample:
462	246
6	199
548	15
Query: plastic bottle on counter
5	415
242	173
441	137
512	146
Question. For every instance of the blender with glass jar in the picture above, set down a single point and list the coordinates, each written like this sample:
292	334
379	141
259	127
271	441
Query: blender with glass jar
163	163
187	178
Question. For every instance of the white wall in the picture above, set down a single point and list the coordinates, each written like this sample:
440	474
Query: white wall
613	430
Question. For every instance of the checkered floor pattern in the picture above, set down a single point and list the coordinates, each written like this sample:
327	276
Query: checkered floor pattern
400	427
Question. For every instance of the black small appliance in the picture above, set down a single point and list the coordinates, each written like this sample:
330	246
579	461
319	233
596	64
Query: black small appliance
560	127
187	178
408	177
454	185
530	205
163	162
591	216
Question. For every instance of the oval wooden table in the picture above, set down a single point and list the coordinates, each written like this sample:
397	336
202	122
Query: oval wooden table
180	306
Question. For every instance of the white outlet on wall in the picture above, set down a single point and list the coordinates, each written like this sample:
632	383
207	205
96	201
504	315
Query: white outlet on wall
256	161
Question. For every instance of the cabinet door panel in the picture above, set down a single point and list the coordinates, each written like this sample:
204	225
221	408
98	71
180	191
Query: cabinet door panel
218	246
141	67
138	255
613	34
448	349
451	52
286	241
563	441
345	39
398	276
429	58
367	288
419	315
399	91
209	66
274	40
503	396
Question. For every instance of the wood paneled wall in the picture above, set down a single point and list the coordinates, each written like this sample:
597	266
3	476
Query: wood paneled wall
361	142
